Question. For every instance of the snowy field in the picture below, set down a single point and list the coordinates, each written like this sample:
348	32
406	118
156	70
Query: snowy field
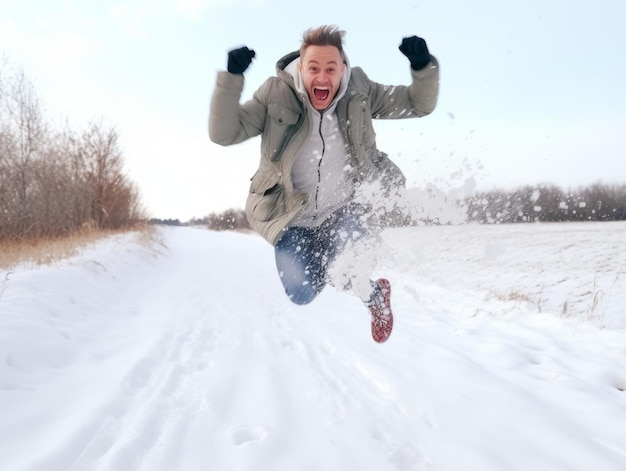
508	353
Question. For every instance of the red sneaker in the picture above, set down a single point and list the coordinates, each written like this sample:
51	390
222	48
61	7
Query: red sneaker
380	309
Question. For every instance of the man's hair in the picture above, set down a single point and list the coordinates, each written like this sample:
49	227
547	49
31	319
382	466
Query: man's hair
329	35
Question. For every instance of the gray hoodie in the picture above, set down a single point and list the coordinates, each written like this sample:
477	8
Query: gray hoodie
322	167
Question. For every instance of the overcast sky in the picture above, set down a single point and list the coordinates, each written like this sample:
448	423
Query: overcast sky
531	91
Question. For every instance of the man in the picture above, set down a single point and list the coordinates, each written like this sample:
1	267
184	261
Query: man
318	153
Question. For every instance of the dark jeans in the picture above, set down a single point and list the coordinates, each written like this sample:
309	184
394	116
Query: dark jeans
304	254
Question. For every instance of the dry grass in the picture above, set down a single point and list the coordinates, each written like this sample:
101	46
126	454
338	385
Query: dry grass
49	250
512	295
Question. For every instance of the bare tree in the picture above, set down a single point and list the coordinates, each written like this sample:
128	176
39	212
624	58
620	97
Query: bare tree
113	199
55	182
23	130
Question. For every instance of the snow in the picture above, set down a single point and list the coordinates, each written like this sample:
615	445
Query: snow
508	353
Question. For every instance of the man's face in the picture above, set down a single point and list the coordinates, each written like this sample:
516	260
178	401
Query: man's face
321	68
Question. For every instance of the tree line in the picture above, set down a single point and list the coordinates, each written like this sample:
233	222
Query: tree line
541	203
55	180
228	220
549	203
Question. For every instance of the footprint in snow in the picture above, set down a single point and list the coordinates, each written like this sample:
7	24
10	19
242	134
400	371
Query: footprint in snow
242	434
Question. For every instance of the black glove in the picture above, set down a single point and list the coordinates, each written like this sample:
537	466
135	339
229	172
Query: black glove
239	60
416	50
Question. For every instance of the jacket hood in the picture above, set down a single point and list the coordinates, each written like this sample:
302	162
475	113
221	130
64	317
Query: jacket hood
289	64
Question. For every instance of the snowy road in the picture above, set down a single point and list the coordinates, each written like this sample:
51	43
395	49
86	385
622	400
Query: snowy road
509	353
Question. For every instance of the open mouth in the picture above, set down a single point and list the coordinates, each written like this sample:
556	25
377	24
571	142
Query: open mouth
321	93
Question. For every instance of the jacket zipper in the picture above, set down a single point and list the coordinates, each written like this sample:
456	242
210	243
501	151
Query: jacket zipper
319	165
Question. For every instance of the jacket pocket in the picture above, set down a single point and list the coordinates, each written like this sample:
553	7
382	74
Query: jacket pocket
389	174
266	199
279	127
282	115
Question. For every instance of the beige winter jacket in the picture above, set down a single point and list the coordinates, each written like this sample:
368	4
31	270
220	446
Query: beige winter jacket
278	113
